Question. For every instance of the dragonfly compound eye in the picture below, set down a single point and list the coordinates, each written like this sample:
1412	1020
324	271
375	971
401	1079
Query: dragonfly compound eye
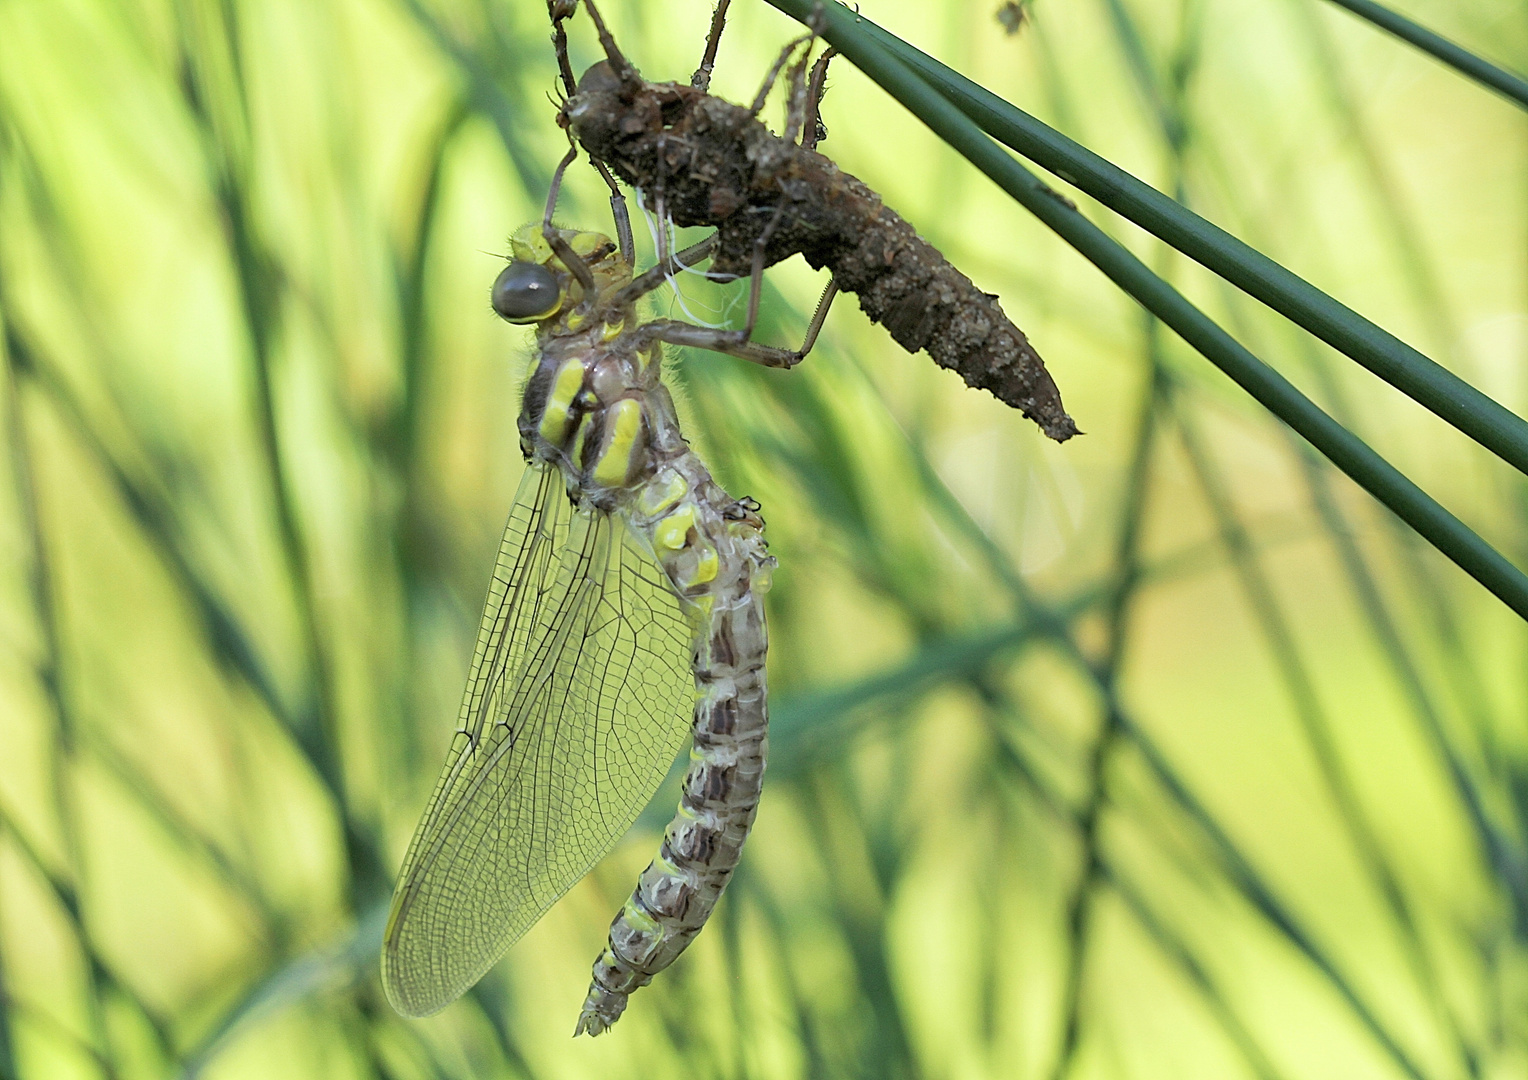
526	292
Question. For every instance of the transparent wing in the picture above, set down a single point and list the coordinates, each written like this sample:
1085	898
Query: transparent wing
579	697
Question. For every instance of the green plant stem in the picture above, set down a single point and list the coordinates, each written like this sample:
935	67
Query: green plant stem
1372	472
1510	86
1418	376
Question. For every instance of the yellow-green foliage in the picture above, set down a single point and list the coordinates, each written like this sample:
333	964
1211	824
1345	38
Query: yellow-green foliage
1163	753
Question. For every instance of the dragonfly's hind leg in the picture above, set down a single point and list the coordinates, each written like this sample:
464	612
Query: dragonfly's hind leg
725	341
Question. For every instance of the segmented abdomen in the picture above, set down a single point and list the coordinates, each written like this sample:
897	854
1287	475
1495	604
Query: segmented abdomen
712	550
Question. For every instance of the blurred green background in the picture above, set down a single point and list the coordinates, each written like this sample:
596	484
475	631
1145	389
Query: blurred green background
1163	753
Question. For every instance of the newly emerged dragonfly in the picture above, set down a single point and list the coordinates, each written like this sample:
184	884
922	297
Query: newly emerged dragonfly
625	610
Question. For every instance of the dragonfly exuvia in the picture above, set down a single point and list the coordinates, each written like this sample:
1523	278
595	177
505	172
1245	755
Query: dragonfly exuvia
626	610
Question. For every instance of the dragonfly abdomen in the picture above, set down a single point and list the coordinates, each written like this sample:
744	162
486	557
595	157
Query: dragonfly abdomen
701	847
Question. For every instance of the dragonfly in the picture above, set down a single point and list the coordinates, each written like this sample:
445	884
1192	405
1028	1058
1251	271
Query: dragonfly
626	612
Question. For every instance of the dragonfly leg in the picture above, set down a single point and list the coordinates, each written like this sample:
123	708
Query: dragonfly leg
819	316
732	342
701	80
654	277
622	215
736	342
570	258
729	342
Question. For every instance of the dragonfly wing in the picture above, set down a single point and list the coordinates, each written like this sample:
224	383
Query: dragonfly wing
578	699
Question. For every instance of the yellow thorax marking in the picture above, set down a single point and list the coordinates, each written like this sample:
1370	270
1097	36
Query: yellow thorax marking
576	454
559	400
585	244
623	421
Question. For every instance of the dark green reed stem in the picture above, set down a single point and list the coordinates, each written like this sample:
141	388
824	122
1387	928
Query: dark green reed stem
1408	370
1162	87
1508	85
1372	472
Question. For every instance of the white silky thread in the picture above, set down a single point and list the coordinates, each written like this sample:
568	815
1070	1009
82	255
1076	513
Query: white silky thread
653	225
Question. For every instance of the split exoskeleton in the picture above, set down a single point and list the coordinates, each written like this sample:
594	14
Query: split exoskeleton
707	162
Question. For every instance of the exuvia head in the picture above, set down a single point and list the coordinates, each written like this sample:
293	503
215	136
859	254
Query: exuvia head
600	78
535	285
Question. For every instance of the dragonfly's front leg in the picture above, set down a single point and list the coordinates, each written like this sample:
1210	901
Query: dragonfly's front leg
736	343
570	259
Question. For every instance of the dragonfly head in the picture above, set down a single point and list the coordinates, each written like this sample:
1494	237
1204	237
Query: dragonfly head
535	286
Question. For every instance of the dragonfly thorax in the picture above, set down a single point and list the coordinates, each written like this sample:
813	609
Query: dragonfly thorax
596	407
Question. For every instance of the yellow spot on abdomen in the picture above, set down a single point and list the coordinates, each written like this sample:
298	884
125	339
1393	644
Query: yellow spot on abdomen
670	533
638	919
706	565
660	495
623	422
